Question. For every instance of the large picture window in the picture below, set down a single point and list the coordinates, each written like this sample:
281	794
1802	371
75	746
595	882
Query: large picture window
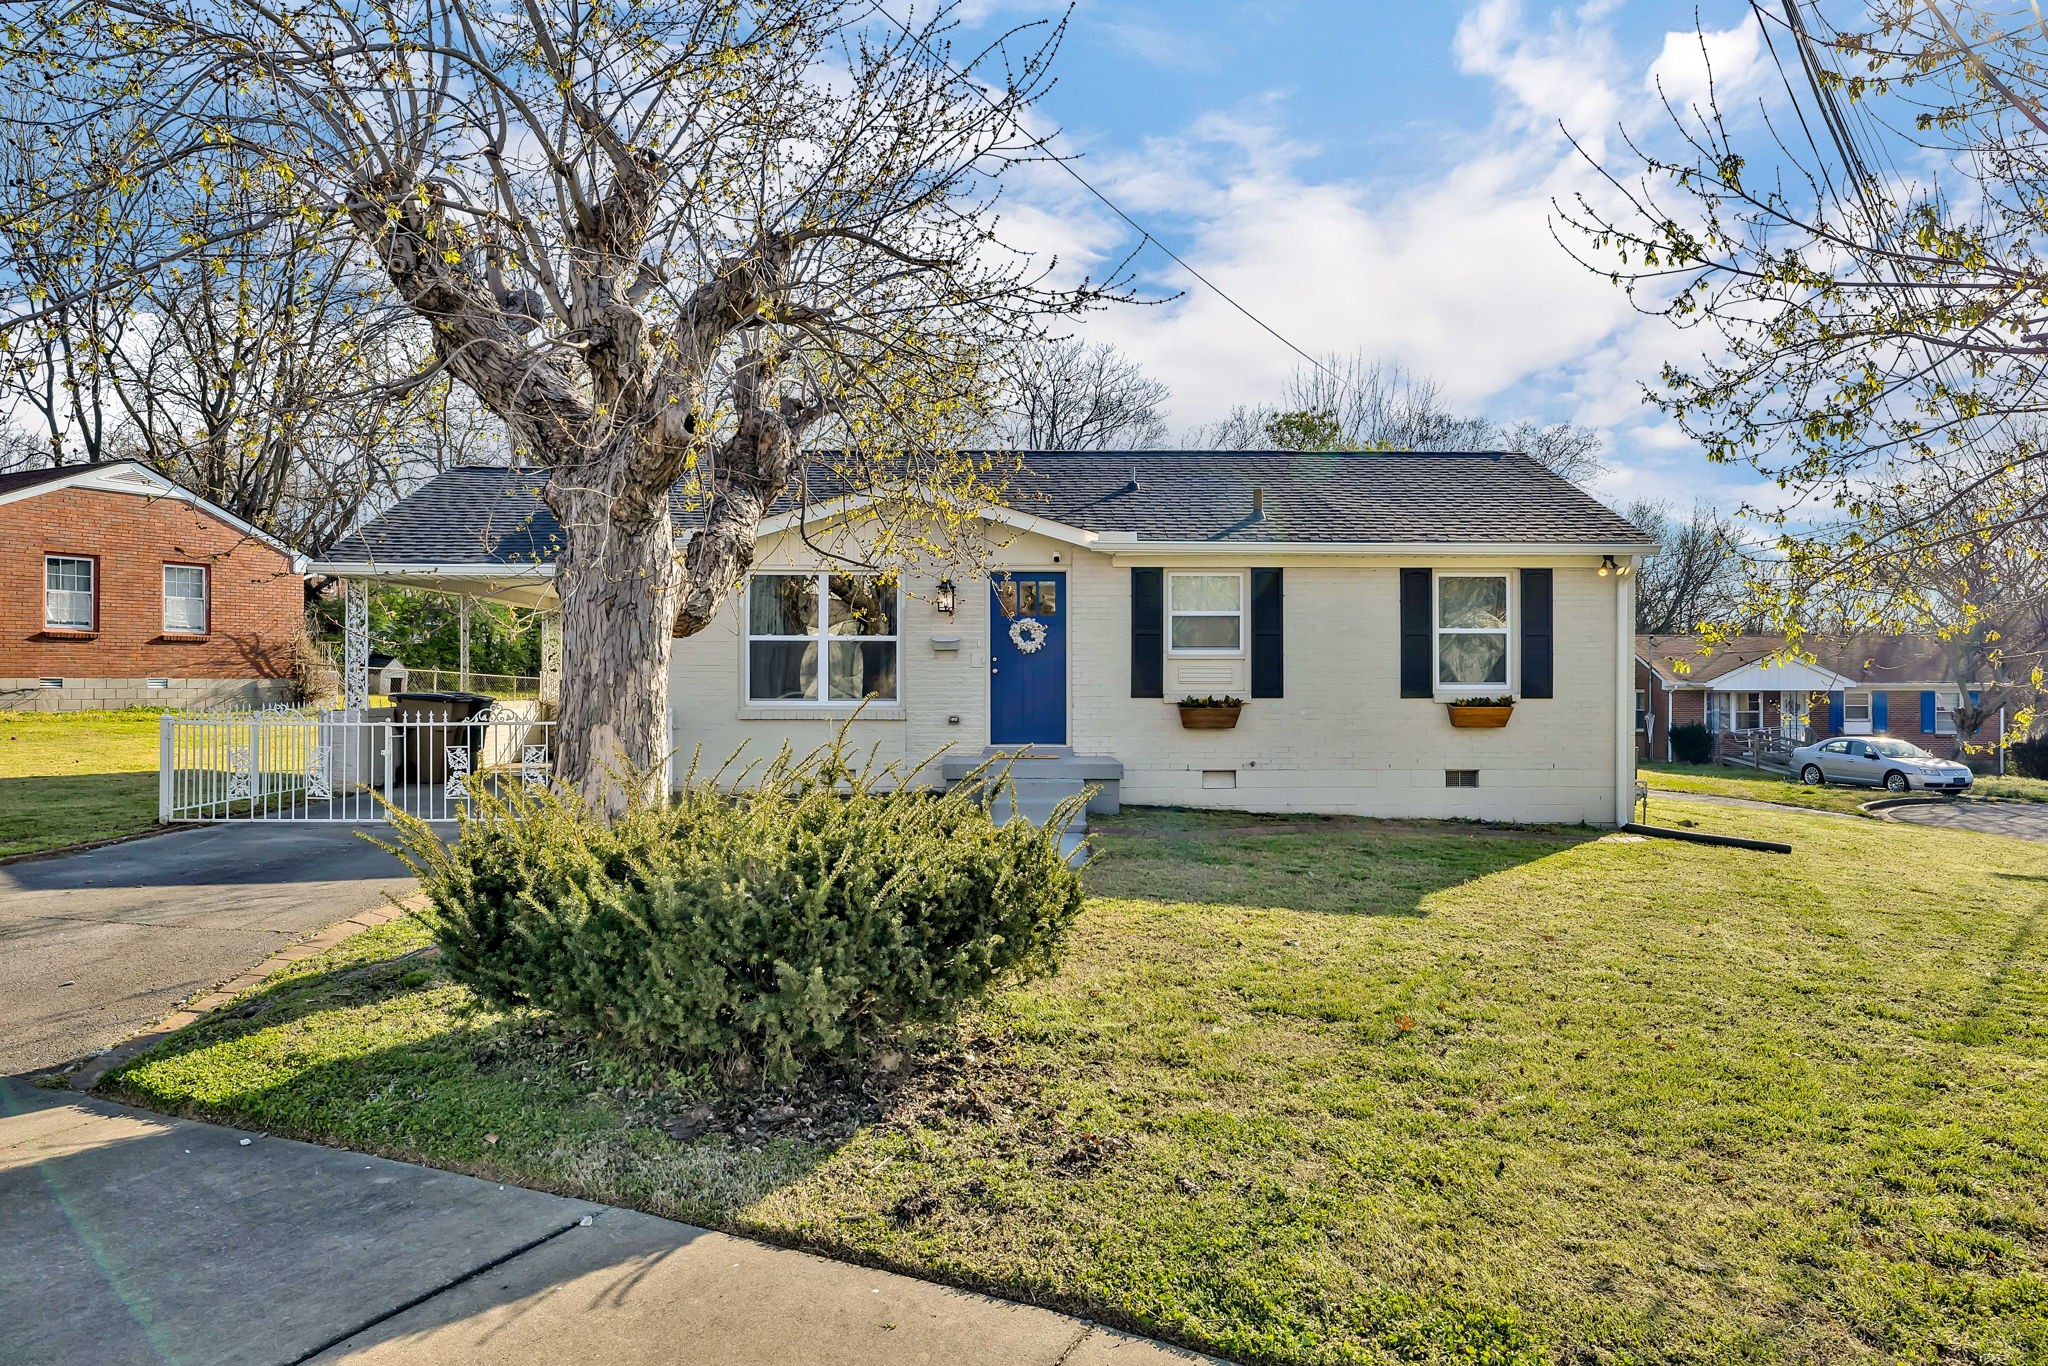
1206	614
820	638
185	599
68	584
1472	631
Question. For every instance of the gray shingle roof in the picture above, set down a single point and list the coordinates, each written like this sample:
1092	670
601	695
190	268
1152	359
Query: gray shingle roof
495	516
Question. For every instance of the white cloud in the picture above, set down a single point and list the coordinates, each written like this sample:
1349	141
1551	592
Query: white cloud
1455	276
1725	63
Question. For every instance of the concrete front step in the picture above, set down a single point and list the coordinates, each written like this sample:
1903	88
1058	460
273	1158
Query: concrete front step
1039	772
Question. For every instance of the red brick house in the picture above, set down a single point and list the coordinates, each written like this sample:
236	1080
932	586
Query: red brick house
120	588
1868	685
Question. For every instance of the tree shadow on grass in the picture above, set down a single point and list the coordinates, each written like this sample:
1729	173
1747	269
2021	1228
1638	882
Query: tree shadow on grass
48	812
1320	865
392	1057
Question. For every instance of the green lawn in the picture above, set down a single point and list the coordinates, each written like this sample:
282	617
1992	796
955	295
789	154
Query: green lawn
72	777
1720	781
1350	1092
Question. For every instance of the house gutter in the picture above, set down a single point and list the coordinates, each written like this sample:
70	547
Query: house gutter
355	569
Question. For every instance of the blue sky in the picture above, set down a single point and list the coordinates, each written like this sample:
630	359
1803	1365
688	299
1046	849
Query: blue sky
1378	176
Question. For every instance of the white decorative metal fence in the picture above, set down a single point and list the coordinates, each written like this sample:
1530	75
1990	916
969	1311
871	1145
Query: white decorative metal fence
347	764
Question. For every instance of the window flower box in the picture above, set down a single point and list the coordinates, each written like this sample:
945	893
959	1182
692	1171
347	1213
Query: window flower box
1210	713
1480	713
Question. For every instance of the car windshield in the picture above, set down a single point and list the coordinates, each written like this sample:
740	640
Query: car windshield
1899	749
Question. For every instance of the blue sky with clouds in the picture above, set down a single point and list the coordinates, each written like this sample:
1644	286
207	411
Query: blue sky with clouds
1378	176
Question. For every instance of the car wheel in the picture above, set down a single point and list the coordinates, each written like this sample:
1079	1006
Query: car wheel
1896	781
1812	776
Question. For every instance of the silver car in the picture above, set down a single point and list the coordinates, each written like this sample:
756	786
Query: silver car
1879	761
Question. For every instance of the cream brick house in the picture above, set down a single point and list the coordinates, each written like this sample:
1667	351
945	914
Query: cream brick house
1346	598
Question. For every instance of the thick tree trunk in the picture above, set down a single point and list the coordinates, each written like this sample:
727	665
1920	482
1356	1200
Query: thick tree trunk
618	582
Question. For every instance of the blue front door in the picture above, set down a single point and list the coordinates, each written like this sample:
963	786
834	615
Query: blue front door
1027	658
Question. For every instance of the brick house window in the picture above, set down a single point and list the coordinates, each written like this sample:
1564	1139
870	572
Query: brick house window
68	583
1471	631
185	599
1856	712
1206	614
1946	700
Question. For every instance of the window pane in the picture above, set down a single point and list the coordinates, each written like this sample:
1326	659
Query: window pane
67	592
1481	658
863	668
1039	597
184	597
1472	602
782	605
862	607
1205	633
782	671
1204	592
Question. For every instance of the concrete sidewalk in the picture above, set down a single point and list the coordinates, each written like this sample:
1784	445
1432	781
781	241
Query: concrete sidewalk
135	1238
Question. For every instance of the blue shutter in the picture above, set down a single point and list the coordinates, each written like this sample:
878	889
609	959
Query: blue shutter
1148	615
1416	669
1834	713
1536	633
1880	712
1927	713
1269	670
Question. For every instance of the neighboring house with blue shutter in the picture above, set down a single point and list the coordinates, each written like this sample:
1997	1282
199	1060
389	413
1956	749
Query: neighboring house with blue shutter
1866	685
1345	597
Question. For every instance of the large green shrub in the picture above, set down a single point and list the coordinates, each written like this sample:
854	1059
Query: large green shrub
2030	758
757	932
1692	744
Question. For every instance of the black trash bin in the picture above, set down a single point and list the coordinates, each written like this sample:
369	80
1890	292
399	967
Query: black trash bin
429	722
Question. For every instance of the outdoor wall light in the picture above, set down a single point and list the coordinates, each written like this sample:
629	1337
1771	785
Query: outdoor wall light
1608	566
945	600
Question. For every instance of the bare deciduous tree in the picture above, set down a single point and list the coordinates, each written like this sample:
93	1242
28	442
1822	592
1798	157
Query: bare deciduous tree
1352	403
1865	262
1698	574
1070	396
657	238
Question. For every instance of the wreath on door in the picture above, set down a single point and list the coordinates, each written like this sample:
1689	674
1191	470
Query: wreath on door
1028	635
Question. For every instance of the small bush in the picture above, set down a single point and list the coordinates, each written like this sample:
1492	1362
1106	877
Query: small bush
758	932
1692	744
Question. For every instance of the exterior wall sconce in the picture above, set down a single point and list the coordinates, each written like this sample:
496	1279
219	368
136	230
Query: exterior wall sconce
946	600
1608	566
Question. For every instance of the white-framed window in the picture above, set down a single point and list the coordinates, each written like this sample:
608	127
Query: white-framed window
1472	638
1205	614
1749	711
185	592
69	582
1643	710
821	639
1856	712
1946	700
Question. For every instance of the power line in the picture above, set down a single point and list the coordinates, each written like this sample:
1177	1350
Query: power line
1144	234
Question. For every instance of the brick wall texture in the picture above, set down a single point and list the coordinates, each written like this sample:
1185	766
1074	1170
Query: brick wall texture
256	604
1342	741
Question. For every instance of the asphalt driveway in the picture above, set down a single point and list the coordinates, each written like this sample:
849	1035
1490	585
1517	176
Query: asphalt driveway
2021	820
97	945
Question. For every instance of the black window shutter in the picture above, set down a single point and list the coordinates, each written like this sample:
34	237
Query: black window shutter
1536	633
1148	633
1269	669
1415	633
